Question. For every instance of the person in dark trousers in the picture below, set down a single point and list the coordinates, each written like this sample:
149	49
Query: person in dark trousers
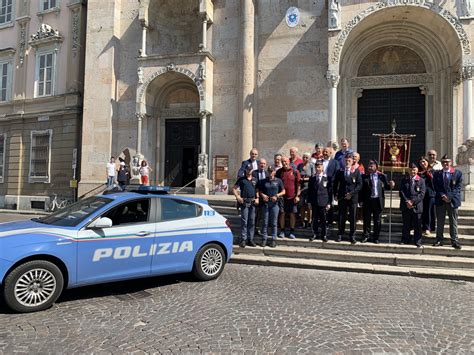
412	191
260	174
320	197
270	190
428	219
123	176
247	201
372	197
347	185
331	166
447	184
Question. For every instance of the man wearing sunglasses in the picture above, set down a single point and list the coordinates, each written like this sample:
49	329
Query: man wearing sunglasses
432	159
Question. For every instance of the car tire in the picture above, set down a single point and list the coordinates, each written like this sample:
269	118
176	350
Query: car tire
209	262
33	286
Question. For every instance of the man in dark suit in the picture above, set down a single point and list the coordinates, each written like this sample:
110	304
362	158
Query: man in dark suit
260	174
330	167
347	185
412	191
251	161
447	185
372	196
320	198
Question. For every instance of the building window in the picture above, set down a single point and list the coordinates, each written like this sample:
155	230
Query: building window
5	81
6	11
3	139
45	73
48	4
40	156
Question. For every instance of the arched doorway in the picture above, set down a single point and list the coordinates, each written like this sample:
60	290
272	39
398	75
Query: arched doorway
400	63
172	135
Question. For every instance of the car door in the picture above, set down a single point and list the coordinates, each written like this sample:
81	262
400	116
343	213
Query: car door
180	232
122	251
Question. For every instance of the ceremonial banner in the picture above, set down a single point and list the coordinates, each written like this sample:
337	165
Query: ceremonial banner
394	152
221	174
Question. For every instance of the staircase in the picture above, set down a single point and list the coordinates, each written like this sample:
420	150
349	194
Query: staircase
384	258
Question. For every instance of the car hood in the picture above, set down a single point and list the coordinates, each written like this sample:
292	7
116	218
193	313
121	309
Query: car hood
10	230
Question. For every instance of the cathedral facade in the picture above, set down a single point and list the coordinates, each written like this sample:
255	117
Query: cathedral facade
180	82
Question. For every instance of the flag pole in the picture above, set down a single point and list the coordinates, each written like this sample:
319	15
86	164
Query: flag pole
390	211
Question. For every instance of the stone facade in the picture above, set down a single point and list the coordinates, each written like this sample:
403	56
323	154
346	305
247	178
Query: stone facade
271	74
40	119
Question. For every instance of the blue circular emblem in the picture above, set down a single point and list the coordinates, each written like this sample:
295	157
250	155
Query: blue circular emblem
292	16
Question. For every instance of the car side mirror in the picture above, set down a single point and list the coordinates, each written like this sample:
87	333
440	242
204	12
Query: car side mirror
101	223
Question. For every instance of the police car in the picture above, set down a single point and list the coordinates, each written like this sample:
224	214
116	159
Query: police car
110	237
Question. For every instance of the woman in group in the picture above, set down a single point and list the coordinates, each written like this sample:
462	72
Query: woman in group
270	190
145	171
306	169
428	216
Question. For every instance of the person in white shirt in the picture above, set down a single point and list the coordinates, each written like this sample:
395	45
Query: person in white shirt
145	171
434	163
110	172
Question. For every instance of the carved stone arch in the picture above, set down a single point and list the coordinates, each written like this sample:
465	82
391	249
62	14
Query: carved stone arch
142	89
450	19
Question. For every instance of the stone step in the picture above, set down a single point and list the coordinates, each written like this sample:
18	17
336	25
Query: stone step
392	259
396	226
450	274
466	251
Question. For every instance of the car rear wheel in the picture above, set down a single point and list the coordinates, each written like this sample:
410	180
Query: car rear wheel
33	286
209	262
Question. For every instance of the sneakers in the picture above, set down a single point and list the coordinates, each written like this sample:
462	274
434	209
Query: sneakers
291	236
426	233
281	235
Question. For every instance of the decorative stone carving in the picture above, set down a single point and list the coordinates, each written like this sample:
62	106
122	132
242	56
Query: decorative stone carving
426	4
140	75
140	116
135	166
76	30
170	67
385	80
45	33
424	90
467	72
359	92
334	15
202	167
179	112
22	40
391	60
466	9
333	78
466	153
201	74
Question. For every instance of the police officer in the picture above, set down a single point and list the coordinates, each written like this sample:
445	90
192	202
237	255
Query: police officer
412	192
247	201
320	198
372	196
447	184
270	190
347	184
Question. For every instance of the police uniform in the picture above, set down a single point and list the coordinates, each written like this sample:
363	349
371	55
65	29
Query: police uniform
248	192
412	189
270	187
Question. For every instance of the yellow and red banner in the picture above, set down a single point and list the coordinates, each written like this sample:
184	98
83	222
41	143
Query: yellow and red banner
394	153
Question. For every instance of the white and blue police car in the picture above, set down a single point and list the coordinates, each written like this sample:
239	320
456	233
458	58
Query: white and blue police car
112	237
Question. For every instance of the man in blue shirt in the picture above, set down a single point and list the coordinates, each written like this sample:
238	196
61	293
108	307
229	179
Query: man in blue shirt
341	154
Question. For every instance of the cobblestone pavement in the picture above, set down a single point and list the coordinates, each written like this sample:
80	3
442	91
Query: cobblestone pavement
252	309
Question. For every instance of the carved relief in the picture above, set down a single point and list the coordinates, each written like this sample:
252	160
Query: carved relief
45	33
453	21
467	72
333	78
466	9
22	41
391	60
76	29
334	15
466	153
384	80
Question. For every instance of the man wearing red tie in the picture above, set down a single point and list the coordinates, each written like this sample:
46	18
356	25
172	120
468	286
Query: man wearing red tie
447	184
412	192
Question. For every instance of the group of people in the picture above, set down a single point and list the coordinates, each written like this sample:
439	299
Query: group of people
119	172
318	183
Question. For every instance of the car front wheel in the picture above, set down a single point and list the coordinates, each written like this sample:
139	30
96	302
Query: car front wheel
33	286
209	262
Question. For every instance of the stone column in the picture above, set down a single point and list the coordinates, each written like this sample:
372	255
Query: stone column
202	182
140	116
144	34
204	33
333	80
468	130
248	77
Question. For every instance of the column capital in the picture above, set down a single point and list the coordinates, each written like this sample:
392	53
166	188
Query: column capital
205	114
333	78
140	116
467	72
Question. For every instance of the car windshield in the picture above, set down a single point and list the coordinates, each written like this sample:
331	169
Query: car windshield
72	215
